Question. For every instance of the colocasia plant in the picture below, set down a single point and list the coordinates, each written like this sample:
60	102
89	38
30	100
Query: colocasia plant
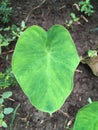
44	64
87	117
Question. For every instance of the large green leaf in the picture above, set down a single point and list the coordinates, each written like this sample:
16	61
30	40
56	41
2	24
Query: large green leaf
44	65
87	118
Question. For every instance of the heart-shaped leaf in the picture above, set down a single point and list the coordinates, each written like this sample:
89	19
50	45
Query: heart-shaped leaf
87	118
44	65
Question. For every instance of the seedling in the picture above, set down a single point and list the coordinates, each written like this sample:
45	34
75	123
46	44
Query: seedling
92	53
86	7
17	31
44	64
4	110
74	20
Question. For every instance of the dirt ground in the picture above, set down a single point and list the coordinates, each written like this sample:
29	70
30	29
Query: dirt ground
85	83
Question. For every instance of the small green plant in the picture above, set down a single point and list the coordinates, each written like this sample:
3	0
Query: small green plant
87	117
44	64
7	79
3	42
9	34
17	31
5	11
92	53
73	20
4	110
86	7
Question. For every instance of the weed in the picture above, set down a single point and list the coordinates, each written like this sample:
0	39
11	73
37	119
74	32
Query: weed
7	79
5	11
82	7
74	20
17	31
9	34
4	110
3	42
86	7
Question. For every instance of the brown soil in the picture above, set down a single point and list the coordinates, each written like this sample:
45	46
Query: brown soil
85	83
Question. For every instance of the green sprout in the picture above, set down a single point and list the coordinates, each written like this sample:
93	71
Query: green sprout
86	7
10	34
92	53
74	19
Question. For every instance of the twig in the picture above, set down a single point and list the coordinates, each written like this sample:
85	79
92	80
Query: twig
79	71
4	53
84	18
11	99
77	6
29	14
62	7
64	113
69	123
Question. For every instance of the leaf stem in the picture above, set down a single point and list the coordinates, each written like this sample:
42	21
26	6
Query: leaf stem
13	116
